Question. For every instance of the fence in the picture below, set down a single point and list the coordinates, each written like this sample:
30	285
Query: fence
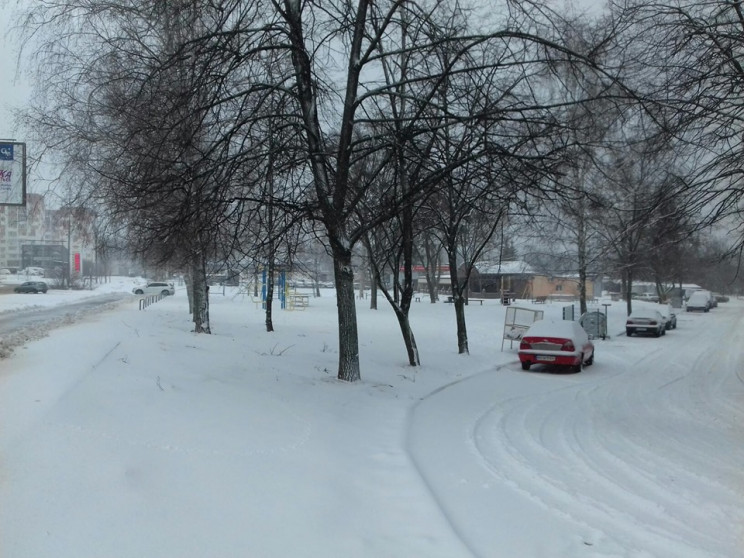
149	299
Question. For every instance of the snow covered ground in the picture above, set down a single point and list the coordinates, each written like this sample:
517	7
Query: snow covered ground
124	435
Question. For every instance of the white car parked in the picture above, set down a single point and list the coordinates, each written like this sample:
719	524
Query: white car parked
699	300
162	288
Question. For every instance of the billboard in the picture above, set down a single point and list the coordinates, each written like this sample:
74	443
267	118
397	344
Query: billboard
517	321
12	173
48	256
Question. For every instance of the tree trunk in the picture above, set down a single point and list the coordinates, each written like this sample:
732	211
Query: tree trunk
269	294
408	337
582	289
628	291
459	304
201	297
431	286
406	292
189	290
373	289
348	336
581	245
462	330
431	269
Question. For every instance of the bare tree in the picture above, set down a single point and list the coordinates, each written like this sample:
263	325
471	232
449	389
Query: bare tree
693	80
133	117
643	188
159	101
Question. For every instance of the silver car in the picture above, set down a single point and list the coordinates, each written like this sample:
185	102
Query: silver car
649	322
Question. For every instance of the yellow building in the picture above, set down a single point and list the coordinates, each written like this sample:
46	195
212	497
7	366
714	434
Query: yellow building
559	286
519	280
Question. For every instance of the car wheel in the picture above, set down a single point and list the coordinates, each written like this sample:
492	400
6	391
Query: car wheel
526	365
590	361
629	332
164	293
138	291
663	331
577	367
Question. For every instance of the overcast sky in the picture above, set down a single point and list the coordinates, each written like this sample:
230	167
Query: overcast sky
13	92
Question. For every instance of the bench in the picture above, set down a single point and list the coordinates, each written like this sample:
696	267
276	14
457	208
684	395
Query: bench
451	300
300	301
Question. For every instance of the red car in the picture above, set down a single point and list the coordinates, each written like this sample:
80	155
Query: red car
561	343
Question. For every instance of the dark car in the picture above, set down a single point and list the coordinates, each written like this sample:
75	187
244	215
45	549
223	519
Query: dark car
31	287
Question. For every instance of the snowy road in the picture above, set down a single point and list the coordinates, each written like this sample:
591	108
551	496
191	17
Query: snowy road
620	460
12	322
20	325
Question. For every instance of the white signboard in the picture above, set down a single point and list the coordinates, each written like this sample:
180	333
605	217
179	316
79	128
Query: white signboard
517	321
12	173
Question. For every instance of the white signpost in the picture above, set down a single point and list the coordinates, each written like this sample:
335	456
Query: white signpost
517	321
12	173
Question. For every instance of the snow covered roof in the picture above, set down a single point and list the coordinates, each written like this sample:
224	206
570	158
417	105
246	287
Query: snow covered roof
505	268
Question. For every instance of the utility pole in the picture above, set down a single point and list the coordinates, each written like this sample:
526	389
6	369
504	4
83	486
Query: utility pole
69	236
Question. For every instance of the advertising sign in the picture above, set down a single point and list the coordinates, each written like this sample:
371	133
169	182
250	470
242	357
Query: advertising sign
12	173
77	262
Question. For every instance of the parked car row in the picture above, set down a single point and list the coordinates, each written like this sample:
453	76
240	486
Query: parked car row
565	343
651	321
701	300
649	297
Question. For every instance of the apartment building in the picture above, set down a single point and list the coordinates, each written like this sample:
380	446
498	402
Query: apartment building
34	235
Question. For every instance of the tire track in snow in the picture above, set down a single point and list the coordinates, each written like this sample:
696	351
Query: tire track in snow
632	456
600	453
